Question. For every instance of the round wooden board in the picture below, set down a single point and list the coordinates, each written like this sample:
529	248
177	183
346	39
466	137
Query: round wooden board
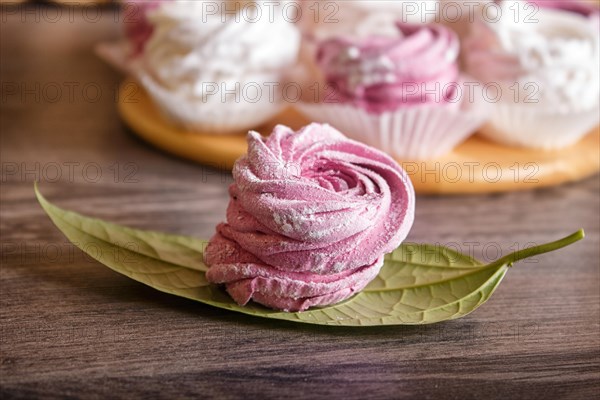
475	166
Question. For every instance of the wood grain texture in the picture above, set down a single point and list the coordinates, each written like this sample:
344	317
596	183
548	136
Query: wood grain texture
71	328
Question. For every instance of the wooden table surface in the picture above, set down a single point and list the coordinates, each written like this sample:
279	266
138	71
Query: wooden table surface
73	328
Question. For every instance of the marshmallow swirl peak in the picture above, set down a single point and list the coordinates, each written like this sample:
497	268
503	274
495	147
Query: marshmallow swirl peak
382	73
311	215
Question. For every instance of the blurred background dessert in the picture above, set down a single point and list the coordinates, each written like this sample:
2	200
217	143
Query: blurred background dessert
208	73
403	94
546	71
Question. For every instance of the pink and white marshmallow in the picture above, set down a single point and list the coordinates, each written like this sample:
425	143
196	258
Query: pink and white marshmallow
311	216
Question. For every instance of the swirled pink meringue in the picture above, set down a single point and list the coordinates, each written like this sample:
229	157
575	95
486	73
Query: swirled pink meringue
311	215
385	73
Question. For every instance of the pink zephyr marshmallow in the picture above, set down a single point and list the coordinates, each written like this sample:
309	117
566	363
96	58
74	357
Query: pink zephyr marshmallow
311	215
381	73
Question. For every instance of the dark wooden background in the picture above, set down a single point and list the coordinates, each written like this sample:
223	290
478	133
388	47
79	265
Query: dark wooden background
73	328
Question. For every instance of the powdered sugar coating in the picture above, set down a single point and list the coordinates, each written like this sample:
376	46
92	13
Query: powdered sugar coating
383	73
312	207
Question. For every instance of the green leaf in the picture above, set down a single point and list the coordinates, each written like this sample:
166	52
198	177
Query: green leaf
418	284
421	264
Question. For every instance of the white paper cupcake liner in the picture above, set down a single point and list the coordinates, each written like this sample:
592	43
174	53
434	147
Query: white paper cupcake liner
115	54
198	116
533	126
411	133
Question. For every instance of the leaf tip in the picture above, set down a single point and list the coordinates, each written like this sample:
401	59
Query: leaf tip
40	198
36	189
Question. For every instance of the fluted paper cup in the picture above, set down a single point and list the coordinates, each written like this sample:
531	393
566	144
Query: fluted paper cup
413	133
532	126
195	115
